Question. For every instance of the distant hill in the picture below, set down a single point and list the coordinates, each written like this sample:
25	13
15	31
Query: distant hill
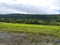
46	19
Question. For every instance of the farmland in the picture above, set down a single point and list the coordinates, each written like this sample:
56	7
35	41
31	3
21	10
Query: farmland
46	29
28	29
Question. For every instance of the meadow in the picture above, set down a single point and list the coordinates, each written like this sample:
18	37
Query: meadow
45	29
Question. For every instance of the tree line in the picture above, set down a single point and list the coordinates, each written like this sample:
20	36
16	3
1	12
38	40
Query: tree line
42	19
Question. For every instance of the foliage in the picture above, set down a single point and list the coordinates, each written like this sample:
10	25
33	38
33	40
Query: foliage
42	19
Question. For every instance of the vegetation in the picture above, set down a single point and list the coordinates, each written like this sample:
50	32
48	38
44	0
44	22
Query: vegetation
38	27
41	19
44	29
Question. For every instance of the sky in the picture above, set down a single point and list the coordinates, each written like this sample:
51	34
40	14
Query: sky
30	6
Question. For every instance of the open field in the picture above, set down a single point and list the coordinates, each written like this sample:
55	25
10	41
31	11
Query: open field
46	29
25	34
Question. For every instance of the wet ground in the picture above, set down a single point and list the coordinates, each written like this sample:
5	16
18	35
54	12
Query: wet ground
7	38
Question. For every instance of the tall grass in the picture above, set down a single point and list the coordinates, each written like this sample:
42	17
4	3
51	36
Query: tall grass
46	29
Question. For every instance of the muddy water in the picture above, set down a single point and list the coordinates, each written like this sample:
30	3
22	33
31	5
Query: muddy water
7	38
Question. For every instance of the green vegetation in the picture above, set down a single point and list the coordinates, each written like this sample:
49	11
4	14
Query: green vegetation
36	27
44	29
40	19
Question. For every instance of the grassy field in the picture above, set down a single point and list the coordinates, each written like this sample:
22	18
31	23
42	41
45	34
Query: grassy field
46	29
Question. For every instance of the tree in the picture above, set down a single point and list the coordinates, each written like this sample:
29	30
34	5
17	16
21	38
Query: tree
41	21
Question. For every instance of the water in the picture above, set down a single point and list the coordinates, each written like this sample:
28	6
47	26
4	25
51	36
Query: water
7	38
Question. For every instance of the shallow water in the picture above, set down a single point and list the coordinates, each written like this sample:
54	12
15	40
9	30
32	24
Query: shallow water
7	38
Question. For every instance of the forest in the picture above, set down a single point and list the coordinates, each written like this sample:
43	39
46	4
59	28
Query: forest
41	19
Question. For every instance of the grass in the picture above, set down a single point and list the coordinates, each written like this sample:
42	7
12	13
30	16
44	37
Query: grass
46	29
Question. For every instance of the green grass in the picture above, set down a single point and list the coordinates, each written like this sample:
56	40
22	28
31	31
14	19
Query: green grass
46	29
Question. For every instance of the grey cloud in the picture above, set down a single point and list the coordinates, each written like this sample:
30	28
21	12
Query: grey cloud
26	8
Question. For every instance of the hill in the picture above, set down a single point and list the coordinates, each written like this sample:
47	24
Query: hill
42	19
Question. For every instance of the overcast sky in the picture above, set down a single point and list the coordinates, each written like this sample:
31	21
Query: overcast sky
30	6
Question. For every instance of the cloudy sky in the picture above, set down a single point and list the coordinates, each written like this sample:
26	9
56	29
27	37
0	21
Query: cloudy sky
30	6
